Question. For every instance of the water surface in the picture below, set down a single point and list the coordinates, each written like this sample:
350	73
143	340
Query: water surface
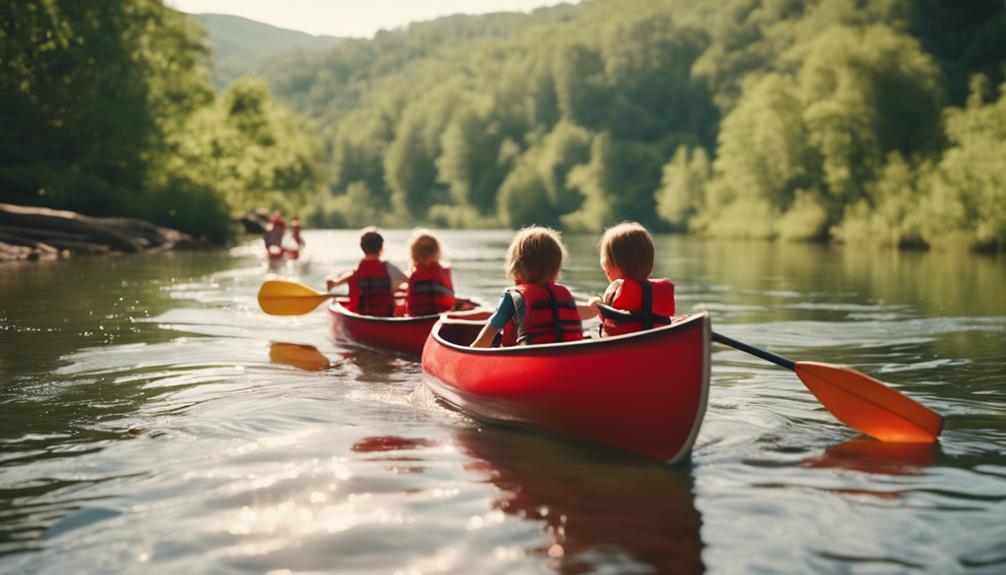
152	418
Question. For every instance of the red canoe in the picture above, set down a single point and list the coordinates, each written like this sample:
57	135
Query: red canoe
405	334
643	392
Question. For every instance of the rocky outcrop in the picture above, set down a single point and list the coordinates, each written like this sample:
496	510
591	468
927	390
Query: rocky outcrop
29	233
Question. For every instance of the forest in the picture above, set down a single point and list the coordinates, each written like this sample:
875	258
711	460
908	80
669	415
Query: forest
107	109
846	120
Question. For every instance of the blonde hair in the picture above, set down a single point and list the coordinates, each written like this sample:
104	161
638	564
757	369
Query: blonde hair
628	247
535	255
371	241
424	248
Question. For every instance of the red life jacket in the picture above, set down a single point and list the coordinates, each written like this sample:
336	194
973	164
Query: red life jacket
649	303
430	290
549	316
370	290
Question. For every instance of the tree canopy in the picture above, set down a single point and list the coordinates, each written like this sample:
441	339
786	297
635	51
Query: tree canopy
107	109
741	118
791	119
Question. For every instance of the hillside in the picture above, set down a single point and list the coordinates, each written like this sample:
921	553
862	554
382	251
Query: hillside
240	45
791	119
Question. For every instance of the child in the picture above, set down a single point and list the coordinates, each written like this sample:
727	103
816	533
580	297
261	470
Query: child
293	248
274	235
373	282
627	261
295	233
536	309
430	288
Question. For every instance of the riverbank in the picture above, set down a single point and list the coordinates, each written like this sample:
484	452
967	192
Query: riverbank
29	233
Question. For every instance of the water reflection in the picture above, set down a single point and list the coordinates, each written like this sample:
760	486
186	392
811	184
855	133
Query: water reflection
305	357
596	507
372	364
878	457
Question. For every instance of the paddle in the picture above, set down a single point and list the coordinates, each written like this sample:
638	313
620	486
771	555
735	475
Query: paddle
855	399
281	297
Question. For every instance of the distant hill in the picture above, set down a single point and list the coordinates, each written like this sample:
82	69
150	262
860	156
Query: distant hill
240	45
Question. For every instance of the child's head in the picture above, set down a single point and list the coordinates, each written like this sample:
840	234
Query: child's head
371	241
627	252
424	248
535	256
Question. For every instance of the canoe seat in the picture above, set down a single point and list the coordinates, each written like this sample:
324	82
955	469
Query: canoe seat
460	331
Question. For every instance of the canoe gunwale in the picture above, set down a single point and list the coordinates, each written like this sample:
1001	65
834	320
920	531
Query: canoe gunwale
545	348
337	308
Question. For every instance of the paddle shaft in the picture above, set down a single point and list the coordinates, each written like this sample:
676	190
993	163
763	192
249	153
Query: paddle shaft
767	356
613	313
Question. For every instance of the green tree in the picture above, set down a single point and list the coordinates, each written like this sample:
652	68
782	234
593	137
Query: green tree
682	187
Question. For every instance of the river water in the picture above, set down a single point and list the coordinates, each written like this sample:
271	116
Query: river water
153	419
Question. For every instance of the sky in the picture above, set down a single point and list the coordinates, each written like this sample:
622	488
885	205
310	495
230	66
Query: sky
351	17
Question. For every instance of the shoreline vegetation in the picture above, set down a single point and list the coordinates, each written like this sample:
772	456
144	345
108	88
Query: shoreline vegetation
800	120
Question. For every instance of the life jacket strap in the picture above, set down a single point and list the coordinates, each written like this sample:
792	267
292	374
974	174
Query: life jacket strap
622	316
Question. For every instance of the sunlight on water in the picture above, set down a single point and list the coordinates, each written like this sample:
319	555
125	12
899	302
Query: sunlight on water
152	418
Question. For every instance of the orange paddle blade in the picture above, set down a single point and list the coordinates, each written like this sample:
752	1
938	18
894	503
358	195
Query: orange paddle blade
306	357
279	297
868	405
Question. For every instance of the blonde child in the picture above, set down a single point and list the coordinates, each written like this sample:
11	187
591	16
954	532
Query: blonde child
535	309
430	289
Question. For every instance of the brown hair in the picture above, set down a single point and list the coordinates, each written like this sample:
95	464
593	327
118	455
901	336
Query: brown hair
371	241
424	248
535	255
628	247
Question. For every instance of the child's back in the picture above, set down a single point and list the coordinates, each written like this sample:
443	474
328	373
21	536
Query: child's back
627	255
370	291
430	289
372	284
536	309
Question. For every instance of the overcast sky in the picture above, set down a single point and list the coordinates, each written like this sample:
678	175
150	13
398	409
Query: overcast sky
351	17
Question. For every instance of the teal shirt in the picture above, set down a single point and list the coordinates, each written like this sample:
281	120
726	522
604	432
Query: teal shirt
511	306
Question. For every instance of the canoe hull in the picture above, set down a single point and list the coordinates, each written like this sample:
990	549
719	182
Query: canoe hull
400	334
644	392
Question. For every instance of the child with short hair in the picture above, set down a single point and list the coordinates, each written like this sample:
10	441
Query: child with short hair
372	284
536	309
430	289
627	260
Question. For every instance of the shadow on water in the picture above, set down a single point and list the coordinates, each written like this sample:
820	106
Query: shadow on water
596	507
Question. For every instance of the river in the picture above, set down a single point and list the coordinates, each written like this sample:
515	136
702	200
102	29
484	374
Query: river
153	419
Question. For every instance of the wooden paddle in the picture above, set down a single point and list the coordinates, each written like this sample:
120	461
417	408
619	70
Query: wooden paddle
281	297
855	399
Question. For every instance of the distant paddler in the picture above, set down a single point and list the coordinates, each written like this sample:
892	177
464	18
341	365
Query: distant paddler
274	235
292	249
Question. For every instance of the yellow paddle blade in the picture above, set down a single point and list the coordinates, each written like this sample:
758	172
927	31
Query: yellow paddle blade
306	357
868	405
279	297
